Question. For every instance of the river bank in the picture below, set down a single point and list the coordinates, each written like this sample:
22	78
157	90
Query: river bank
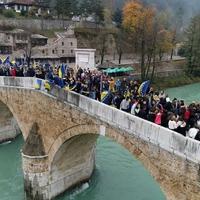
170	82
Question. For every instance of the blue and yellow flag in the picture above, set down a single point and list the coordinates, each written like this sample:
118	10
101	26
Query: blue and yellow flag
143	88
61	72
38	84
7	60
2	59
13	63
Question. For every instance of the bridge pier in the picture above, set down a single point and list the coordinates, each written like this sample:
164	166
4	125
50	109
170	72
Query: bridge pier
72	164
36	177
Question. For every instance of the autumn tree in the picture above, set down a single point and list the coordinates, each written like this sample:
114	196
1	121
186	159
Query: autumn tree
138	20
150	37
164	42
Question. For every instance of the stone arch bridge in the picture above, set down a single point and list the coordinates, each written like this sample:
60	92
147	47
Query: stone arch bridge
60	130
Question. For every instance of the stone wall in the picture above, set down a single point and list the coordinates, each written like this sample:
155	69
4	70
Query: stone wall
38	24
34	24
173	160
167	73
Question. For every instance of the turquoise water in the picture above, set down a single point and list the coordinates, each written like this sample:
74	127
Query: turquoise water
118	176
188	93
11	181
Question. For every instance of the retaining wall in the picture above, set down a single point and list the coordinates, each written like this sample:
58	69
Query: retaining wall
38	24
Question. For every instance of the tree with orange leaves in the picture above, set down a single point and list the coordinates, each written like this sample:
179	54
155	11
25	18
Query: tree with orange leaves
149	38
139	21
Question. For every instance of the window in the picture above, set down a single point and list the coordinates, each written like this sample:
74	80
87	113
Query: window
53	51
63	43
71	43
72	51
43	51
63	51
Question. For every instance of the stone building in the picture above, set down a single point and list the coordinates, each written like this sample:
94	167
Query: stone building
38	40
5	48
15	42
58	50
6	44
20	6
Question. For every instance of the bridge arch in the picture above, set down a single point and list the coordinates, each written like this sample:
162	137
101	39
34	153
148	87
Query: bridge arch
73	163
82	129
9	125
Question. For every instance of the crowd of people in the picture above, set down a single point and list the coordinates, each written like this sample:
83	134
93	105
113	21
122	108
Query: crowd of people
124	94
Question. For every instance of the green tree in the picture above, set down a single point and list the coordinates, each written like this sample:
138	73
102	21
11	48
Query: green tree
92	8
98	11
192	46
86	8
75	7
117	17
63	8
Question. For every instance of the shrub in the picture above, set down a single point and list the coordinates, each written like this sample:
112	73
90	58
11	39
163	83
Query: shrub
24	13
9	13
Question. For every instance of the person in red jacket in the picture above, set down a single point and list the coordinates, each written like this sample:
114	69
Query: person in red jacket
187	114
13	71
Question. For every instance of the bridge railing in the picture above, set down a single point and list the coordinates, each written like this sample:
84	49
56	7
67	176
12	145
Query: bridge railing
161	137
164	138
26	82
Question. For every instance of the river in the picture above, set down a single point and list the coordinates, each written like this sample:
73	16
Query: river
118	175
188	93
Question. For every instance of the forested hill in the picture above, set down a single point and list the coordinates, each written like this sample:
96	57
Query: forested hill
185	8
